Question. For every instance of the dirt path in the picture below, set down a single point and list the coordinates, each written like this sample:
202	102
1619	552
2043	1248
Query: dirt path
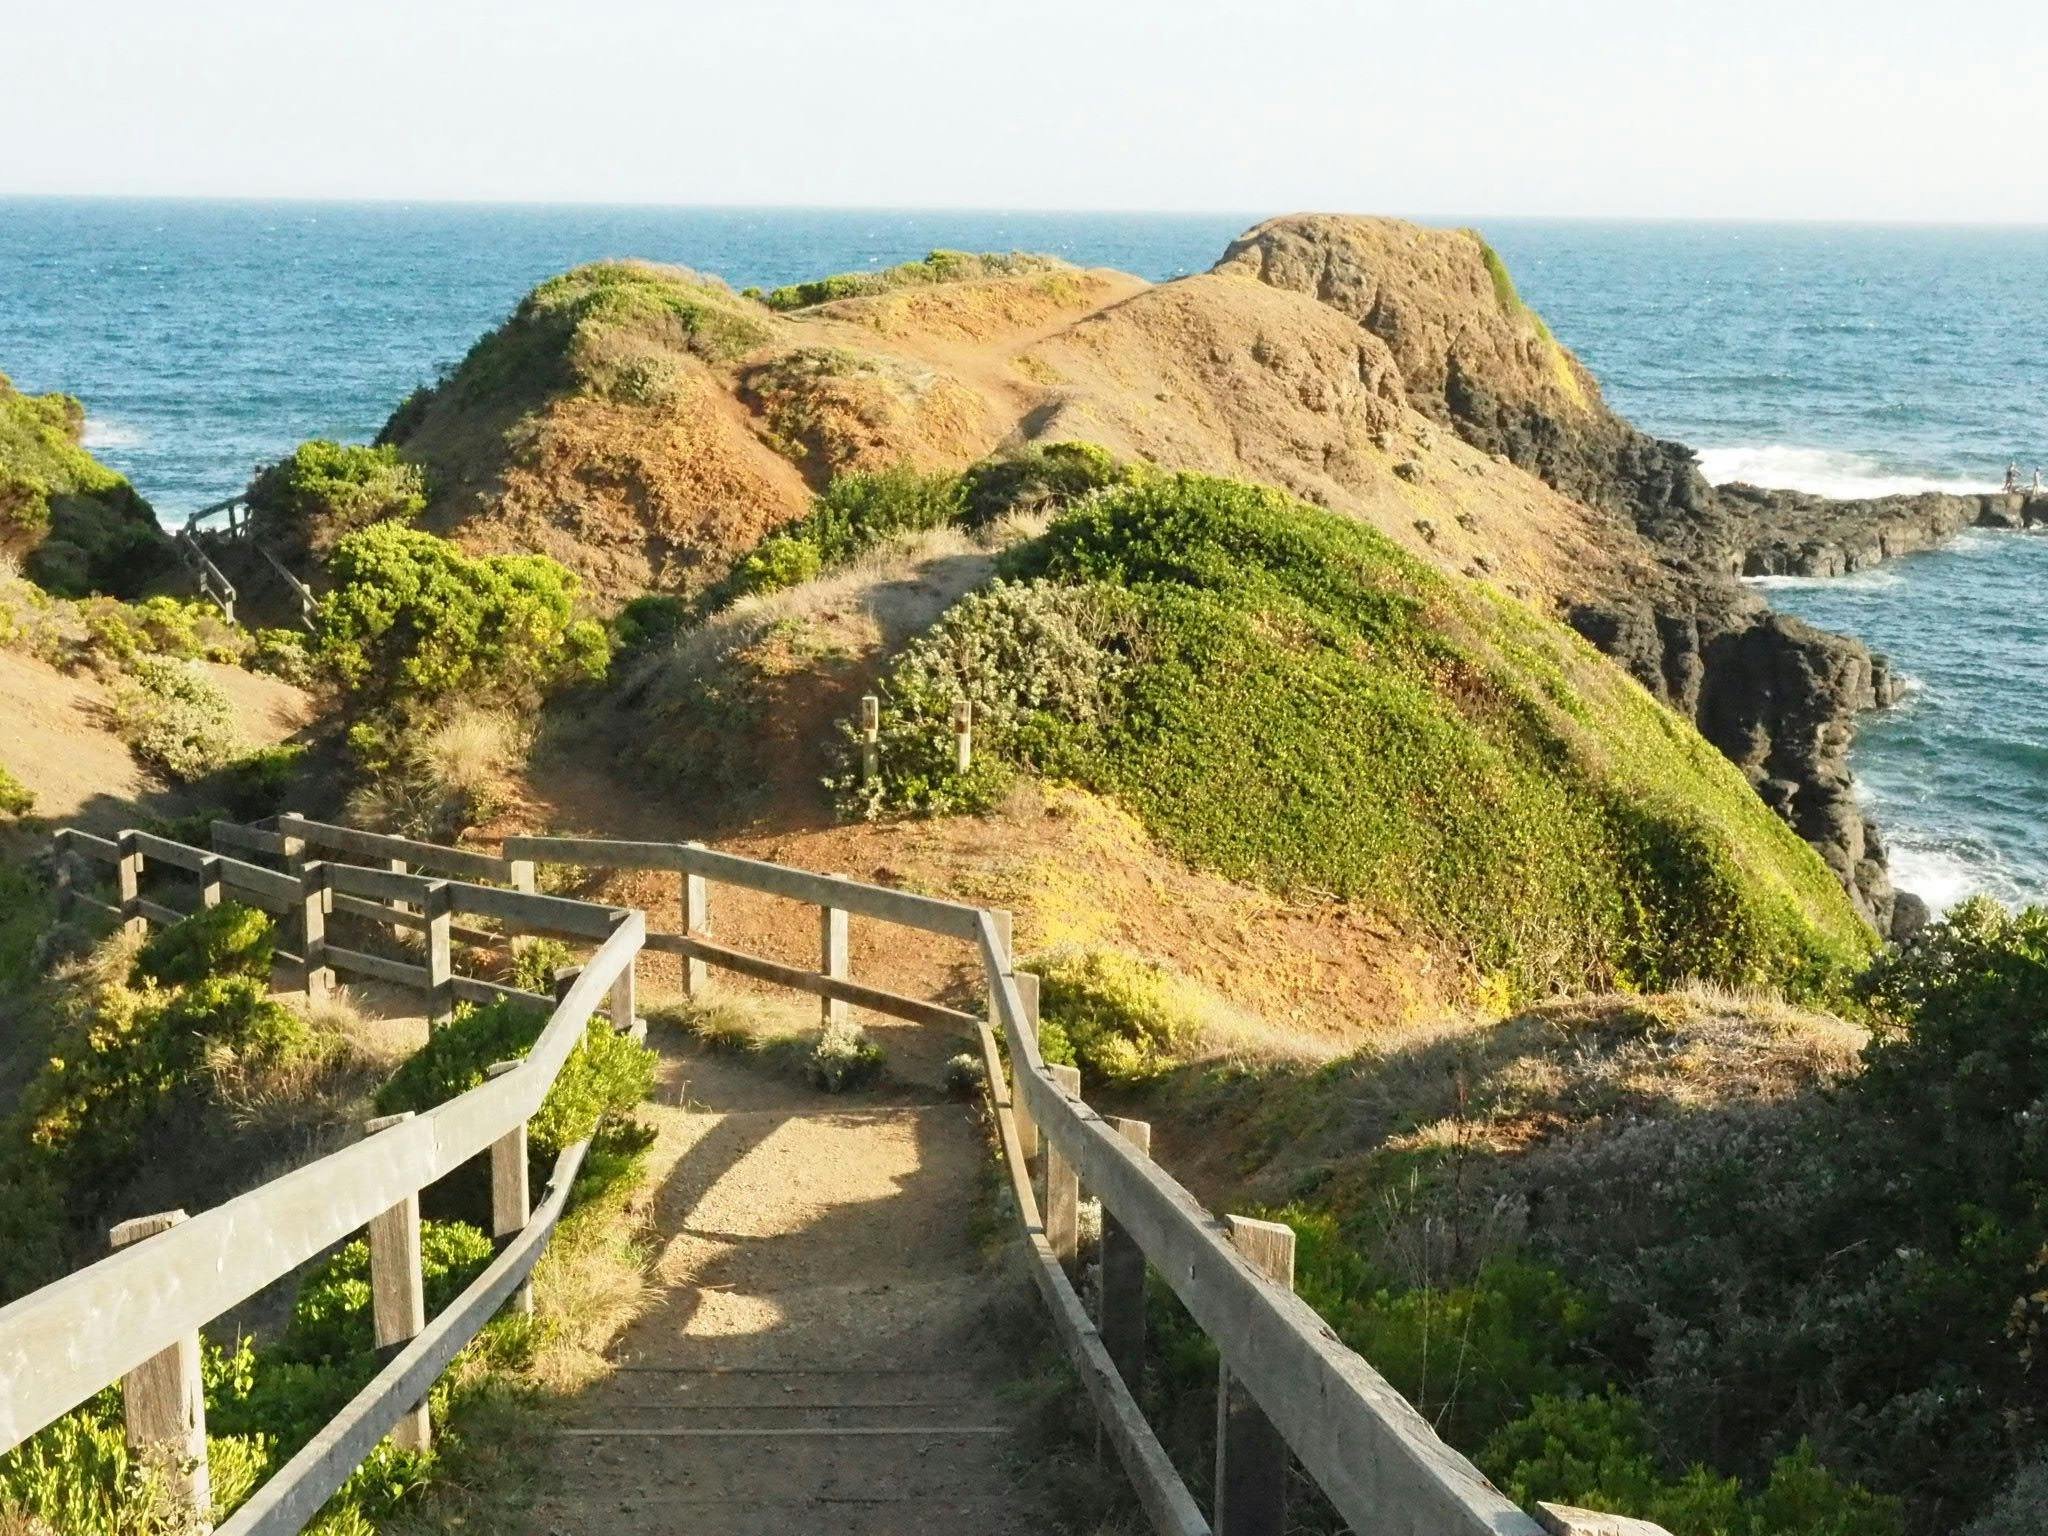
820	1357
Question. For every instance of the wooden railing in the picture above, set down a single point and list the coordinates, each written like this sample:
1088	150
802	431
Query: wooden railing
232	521
1289	1389
135	1316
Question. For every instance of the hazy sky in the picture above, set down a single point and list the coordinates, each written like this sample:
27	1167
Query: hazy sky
1867	109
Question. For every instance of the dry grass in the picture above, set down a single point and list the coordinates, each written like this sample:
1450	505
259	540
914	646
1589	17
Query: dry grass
474	751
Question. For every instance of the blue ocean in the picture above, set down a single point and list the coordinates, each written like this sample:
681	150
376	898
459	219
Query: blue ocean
207	338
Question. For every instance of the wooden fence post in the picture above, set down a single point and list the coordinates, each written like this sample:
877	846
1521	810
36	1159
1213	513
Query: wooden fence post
833	960
315	978
439	909
625	1002
697	925
209	882
398	1297
294	851
164	1400
511	1194
128	886
1251	1458
870	738
1120	1313
963	734
1062	1215
61	861
524	876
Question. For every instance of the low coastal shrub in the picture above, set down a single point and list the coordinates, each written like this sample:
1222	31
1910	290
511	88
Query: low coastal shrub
227	940
936	267
856	513
16	798
652	619
1115	1016
607	1074
75	526
1046	479
176	719
323	489
844	1058
412	618
1285	697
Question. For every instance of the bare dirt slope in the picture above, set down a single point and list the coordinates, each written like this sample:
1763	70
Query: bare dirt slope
819	1356
57	736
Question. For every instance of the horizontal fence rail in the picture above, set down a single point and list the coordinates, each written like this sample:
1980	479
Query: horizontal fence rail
63	1343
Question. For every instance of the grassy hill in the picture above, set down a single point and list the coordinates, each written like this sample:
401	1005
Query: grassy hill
1286	698
76	526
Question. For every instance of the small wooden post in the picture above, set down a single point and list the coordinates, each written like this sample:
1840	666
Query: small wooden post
833	960
1027	1128
511	1195
1565	1520
315	978
1120	1315
1251	1458
524	876
128	884
294	847
963	734
1063	1183
164	1400
398	1297
209	882
697	925
440	914
625	1004
870	738
61	874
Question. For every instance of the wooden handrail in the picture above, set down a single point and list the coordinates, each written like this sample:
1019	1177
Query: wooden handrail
1364	1444
61	1344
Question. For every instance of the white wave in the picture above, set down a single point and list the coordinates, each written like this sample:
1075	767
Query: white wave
1936	876
1823	472
101	432
1861	581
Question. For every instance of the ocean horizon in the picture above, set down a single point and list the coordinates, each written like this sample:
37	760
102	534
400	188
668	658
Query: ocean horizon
208	336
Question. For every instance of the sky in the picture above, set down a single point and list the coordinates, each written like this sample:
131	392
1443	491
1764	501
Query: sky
1806	109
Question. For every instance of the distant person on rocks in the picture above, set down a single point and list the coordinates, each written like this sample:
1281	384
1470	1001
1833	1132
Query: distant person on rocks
2012	477
2037	482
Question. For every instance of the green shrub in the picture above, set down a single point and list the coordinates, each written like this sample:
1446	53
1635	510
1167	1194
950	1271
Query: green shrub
535	963
856	512
176	719
1285	697
331	1317
412	617
964	1076
1041	479
844	1058
16	798
1598	1453
77	526
1042	666
227	940
653	619
283	654
1113	1015
255	784
322	490
606	1074
936	267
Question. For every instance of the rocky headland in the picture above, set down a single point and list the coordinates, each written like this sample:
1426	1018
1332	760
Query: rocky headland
647	426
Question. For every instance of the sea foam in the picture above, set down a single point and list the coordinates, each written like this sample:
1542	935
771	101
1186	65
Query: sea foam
1823	472
104	432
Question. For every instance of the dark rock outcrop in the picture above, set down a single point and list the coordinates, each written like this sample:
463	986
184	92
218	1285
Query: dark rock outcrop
1777	696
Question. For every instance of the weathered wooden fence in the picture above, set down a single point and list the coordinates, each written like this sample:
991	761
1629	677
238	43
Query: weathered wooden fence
1289	1387
1289	1390
135	1316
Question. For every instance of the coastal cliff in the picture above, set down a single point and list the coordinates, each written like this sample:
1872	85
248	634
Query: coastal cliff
1776	695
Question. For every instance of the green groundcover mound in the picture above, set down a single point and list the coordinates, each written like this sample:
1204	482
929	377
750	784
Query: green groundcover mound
1287	698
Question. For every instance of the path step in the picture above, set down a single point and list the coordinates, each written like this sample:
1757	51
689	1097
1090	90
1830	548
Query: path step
652	1387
